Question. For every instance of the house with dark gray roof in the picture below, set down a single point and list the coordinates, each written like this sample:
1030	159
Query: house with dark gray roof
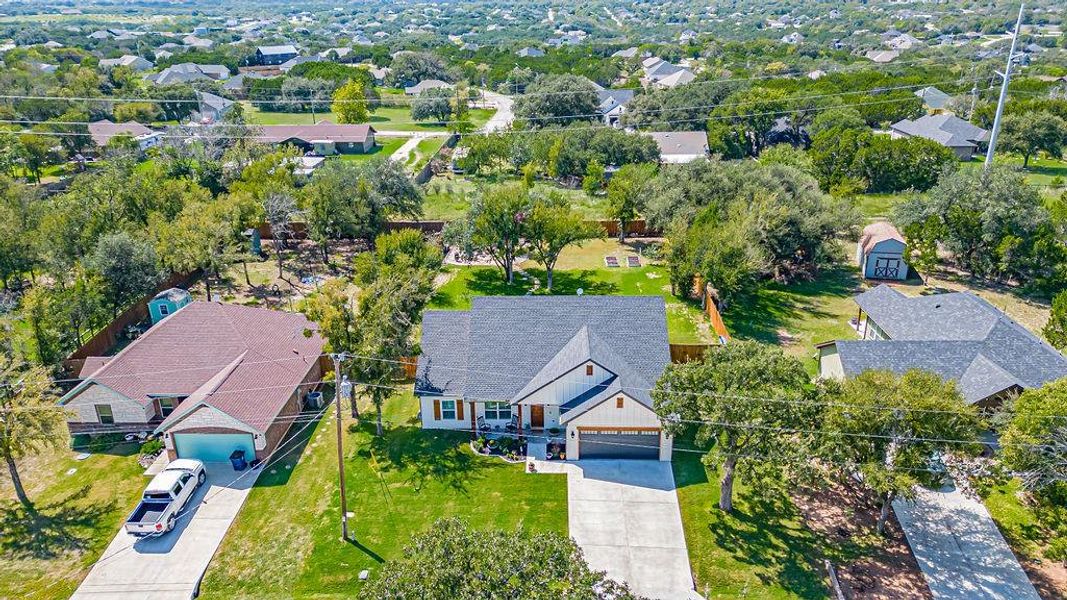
948	130
957	335
612	103
275	55
576	367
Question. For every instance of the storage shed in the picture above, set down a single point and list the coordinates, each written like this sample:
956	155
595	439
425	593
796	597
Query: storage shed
167	303
880	252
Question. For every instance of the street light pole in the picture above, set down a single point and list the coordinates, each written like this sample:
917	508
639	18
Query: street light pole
337	358
1003	91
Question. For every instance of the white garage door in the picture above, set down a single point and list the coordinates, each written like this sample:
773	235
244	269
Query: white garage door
213	447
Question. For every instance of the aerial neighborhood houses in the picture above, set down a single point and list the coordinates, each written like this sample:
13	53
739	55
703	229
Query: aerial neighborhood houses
102	132
425	85
322	138
187	73
211	378
578	368
681	146
276	55
957	335
946	129
659	73
136	63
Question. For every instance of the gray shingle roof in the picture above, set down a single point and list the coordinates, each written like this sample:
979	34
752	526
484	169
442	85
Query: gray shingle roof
512	346
947	130
956	335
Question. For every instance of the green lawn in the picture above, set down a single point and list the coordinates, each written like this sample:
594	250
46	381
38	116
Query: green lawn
1026	527
798	315
79	506
760	550
448	196
877	205
424	151
386	118
385	147
685	323
1041	170
286	540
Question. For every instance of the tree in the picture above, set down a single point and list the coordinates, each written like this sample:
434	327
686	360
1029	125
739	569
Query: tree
518	565
593	181
499	224
350	103
749	115
1034	444
129	267
889	427
552	226
333	309
433	104
30	418
921	240
279	208
557	100
626	194
1056	329
837	118
409	68
36	151
743	432
198	239
1032	132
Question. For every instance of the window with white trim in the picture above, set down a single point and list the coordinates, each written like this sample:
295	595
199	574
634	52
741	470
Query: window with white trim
497	410
448	409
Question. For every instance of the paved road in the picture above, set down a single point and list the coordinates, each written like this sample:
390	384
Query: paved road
503	116
959	548
624	515
170	566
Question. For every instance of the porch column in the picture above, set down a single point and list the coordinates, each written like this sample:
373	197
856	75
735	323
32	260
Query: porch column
474	418
520	417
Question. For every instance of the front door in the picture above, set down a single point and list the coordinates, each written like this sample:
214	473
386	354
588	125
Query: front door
537	416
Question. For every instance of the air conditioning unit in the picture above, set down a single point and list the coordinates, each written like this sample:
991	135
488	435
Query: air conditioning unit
313	400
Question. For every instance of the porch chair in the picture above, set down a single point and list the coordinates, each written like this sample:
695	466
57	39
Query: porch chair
482	425
513	424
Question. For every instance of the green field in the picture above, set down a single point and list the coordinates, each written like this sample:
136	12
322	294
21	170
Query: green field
448	196
685	322
78	507
384	118
286	542
385	148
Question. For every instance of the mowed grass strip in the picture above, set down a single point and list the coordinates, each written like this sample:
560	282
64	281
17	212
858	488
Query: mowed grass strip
286	540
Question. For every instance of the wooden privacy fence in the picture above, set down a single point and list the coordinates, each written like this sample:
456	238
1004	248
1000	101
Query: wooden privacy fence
681	353
108	337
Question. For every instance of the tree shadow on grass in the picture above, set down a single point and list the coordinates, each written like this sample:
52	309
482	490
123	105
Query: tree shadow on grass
49	531
762	314
426	456
764	530
111	444
291	450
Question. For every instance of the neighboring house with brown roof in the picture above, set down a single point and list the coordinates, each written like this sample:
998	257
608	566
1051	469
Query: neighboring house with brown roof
323	138
102	132
880	252
211	378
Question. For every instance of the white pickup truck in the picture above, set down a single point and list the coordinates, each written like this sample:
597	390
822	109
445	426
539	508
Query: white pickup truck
165	497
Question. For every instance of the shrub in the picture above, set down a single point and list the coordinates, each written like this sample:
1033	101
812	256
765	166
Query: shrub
152	447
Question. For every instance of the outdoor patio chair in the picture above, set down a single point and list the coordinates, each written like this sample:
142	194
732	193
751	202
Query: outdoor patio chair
482	425
513	424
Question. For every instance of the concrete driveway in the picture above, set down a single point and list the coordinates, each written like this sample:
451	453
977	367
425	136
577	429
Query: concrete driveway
960	550
624	515
170	566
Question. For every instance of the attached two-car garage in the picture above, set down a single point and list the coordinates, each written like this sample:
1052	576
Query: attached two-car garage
618	443
213	447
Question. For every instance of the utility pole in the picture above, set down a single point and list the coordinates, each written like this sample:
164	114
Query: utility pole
337	394
1003	91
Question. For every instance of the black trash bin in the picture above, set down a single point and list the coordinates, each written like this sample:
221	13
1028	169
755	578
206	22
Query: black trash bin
237	459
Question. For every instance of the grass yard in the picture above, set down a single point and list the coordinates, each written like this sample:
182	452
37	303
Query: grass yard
1028	528
424	151
1042	171
79	506
287	537
384	148
383	118
877	206
685	321
448	196
799	315
761	550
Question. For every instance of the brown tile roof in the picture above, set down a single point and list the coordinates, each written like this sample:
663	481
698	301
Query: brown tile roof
323	130
242	360
103	131
877	232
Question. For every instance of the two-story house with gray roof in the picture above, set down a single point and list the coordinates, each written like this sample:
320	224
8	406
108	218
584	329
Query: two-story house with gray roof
577	366
957	335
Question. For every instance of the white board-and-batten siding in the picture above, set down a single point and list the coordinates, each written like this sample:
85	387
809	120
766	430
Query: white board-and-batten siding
608	414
